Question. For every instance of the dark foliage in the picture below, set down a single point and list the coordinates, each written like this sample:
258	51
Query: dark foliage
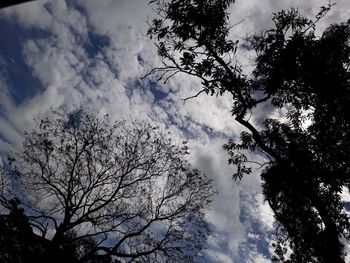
19	244
306	76
17	240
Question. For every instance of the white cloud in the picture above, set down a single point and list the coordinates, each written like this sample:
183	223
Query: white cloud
105	15
212	160
108	80
6	101
257	258
219	257
30	14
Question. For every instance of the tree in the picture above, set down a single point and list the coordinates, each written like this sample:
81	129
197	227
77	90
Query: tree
104	191
17	241
308	77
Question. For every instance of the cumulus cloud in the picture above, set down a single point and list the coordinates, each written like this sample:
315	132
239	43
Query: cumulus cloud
95	52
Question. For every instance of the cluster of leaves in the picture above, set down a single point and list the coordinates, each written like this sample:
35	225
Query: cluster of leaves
112	190
305	76
192	39
308	74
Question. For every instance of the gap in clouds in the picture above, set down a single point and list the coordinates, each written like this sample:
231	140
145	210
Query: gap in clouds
21	84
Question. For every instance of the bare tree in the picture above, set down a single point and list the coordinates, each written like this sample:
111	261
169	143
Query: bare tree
126	187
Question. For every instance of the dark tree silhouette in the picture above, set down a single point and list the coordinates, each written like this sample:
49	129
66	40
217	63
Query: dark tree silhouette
307	149
17	240
110	191
19	244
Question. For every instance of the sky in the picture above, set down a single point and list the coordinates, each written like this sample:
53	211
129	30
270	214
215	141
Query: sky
64	54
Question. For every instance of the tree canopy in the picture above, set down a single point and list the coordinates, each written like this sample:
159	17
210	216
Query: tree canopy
304	75
102	191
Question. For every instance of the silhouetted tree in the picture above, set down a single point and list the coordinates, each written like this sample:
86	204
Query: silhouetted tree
17	240
19	244
307	148
107	191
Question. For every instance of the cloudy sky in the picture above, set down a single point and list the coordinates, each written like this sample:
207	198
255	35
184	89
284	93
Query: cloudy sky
63	54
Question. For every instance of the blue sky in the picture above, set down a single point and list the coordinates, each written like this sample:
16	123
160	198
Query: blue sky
93	53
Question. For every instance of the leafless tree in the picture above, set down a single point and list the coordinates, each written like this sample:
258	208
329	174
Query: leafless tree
124	186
